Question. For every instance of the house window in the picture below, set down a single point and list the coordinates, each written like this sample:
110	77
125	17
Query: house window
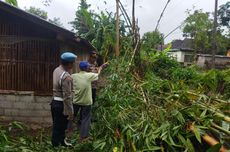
188	58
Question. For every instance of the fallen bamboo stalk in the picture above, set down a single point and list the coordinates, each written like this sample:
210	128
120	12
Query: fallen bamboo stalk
222	101
211	141
218	114
213	99
208	139
226	118
137	77
134	52
143	94
220	129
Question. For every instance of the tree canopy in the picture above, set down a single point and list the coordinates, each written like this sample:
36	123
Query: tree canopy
198	26
151	40
56	21
98	28
12	2
44	15
38	12
224	14
82	22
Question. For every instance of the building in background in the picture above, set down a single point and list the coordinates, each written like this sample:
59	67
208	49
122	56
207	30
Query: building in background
183	56
182	51
205	61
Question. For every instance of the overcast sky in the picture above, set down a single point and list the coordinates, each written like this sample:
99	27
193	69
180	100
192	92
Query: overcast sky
147	11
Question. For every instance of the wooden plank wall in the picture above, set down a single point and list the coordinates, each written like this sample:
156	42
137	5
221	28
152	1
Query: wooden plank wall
28	55
26	64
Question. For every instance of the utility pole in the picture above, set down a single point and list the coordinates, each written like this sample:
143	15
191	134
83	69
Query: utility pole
133	25
117	51
133	16
214	43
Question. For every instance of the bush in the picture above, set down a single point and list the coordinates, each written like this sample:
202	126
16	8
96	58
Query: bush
184	74
162	65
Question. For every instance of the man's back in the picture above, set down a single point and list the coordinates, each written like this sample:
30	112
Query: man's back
56	77
82	87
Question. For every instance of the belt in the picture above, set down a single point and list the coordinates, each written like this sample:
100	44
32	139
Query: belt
58	99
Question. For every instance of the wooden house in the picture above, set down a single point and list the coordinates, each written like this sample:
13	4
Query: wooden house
30	49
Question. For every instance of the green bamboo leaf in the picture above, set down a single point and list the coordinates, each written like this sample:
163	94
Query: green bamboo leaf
152	148
17	125
182	139
215	148
180	118
147	142
164	135
203	113
190	146
171	140
197	134
129	134
146	127
3	135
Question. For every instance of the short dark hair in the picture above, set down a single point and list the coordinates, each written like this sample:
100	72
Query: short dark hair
65	63
93	52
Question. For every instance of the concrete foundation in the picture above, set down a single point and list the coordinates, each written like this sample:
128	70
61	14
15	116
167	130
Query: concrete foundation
25	108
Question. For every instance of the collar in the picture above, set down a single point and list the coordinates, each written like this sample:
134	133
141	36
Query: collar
82	72
61	67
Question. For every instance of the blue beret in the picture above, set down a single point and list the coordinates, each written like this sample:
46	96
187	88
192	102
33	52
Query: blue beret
68	57
83	64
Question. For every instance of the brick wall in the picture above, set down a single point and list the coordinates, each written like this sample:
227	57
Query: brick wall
25	108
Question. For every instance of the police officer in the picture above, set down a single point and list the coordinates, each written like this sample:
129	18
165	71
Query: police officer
61	105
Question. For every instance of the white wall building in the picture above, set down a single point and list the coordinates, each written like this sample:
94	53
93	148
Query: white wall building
184	56
221	61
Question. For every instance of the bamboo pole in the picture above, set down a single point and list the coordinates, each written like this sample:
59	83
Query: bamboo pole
126	14
208	139
134	52
212	141
214	43
117	51
225	118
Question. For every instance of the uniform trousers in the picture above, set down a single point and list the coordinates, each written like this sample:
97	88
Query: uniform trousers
59	123
94	93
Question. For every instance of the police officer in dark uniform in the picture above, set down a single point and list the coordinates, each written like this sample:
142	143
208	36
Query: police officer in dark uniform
61	105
